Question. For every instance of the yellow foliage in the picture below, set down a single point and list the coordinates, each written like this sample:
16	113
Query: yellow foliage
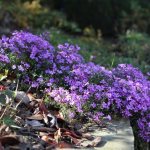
26	11
33	7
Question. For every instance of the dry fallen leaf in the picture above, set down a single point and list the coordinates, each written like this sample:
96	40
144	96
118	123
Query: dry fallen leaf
2	129
73	140
49	139
9	140
84	143
45	138
89	143
87	136
63	144
43	108
31	97
43	134
43	129
58	114
71	133
36	117
57	135
96	141
45	118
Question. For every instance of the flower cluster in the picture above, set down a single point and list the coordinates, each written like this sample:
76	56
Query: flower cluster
144	127
87	88
64	96
131	90
3	56
31	57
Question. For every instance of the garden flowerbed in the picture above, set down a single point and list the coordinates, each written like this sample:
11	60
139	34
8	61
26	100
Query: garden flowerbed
61	79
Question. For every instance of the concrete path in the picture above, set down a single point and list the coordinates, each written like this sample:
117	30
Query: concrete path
118	136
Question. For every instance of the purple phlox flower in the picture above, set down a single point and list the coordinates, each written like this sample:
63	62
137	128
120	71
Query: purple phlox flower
71	115
108	117
40	80
20	68
35	84
93	105
50	82
4	58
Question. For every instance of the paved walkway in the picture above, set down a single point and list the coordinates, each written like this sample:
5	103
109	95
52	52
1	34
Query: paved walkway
118	136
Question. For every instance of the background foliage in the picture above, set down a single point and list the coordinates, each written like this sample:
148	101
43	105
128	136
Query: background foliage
108	31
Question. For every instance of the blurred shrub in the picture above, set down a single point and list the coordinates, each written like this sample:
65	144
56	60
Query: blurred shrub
111	16
54	19
101	14
33	14
136	45
24	13
138	18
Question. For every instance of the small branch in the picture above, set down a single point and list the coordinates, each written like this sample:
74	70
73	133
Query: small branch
40	129
3	112
16	127
16	88
18	104
28	89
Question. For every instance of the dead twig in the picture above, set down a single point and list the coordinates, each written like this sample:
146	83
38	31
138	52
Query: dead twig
4	112
40	129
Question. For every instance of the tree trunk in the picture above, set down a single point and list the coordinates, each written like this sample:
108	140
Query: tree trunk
139	144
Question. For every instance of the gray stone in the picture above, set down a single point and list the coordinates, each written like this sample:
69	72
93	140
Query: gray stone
22	96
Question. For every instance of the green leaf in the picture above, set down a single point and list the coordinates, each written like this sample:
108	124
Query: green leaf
3	75
6	96
2	99
8	121
9	93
